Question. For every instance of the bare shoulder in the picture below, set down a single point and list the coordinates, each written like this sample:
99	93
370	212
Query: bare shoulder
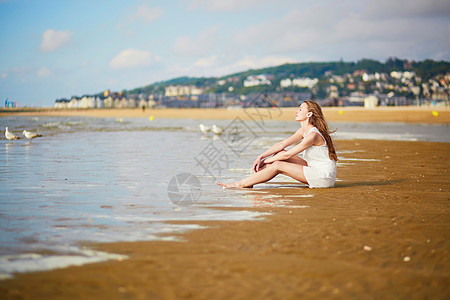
316	138
300	132
294	138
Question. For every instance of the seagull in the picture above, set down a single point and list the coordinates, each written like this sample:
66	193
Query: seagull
204	129
30	135
10	136
217	130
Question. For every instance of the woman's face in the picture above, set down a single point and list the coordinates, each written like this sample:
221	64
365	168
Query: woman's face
302	112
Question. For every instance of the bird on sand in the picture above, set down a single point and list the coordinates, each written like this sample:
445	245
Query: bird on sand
204	129
10	136
217	130
30	135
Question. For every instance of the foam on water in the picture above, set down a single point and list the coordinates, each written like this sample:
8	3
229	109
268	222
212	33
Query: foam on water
32	262
359	159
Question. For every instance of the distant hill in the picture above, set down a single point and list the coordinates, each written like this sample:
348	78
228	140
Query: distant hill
425	69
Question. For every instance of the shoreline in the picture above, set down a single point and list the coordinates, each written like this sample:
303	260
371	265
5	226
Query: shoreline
382	232
409	114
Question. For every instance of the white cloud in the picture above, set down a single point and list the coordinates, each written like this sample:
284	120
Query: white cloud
132	58
44	72
297	30
147	14
383	37
4	75
53	40
199	46
345	32
143	13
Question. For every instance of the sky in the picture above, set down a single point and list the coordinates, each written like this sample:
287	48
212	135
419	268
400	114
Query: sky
59	49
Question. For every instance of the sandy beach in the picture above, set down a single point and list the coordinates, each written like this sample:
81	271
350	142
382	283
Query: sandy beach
411	114
382	233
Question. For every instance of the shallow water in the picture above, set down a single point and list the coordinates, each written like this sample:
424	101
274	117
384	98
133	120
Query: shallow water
107	179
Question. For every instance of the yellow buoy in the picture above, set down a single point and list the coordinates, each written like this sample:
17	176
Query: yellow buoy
435	113
341	112
151	118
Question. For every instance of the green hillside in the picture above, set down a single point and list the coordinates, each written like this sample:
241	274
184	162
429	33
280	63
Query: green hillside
425	69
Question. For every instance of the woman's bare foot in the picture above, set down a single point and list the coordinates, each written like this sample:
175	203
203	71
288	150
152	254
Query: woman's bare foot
231	185
228	185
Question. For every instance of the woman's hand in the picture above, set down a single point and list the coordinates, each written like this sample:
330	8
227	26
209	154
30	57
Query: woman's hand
257	164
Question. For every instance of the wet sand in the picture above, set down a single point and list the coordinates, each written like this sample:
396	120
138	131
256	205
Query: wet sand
346	114
382	233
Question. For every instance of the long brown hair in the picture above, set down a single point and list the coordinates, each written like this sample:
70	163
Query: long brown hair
318	120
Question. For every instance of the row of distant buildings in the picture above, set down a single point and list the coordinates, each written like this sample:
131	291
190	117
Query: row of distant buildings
396	82
434	89
214	100
263	79
210	100
347	89
104	102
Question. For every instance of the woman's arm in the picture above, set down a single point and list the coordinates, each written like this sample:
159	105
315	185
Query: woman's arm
307	142
276	148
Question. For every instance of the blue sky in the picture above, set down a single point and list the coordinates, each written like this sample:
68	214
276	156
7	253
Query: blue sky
56	49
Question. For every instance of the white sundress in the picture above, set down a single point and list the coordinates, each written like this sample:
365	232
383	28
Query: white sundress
321	170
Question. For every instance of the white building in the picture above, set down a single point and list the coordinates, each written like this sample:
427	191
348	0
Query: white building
370	102
284	83
99	102
368	77
256	80
396	74
74	103
182	90
400	75
108	102
409	75
305	82
87	102
62	103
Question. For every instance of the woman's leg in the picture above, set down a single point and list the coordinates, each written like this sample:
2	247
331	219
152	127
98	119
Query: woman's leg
294	159
294	170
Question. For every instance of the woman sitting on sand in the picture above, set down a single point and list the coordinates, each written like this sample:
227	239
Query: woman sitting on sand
318	166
